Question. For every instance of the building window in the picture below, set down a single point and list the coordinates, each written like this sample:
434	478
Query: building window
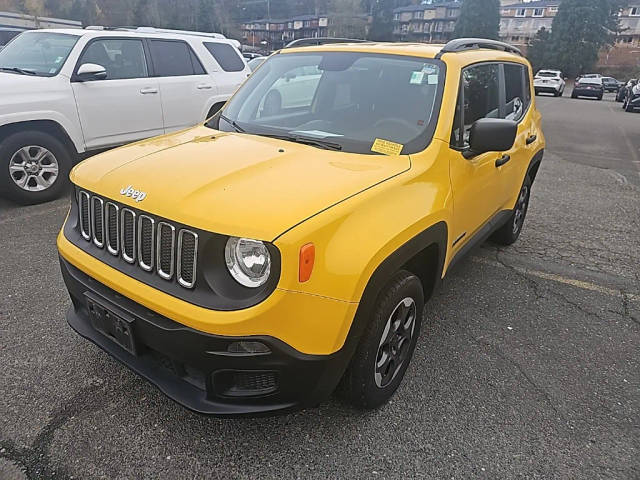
521	12
538	12
553	9
396	16
515	38
635	12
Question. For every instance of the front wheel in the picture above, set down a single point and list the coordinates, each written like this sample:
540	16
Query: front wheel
387	344
34	167
510	231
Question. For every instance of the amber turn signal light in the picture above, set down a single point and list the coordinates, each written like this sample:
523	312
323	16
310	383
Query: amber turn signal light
307	257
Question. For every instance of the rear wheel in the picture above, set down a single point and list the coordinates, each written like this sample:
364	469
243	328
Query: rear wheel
573	95
628	107
510	231
387	344
34	167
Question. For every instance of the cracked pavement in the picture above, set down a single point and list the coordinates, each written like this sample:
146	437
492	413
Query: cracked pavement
528	365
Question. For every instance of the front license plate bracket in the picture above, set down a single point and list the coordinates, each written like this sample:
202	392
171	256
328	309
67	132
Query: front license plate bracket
111	322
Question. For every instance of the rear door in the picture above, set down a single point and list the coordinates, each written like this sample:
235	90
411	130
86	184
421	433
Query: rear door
126	105
517	89
185	87
232	68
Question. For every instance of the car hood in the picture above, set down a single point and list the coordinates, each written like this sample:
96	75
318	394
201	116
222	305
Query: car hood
15	82
235	184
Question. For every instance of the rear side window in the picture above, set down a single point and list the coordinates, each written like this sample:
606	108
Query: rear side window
174	59
516	84
226	56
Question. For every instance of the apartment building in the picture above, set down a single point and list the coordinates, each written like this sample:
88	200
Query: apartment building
429	23
520	21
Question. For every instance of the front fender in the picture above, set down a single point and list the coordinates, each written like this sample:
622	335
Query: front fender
354	238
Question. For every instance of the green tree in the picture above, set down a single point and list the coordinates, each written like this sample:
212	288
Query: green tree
478	18
382	20
580	29
539	50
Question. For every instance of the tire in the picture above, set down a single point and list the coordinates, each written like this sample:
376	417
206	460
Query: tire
364	384
628	107
510	231
600	97
573	95
49	160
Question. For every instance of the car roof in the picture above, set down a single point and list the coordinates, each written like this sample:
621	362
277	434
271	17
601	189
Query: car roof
131	33
591	80
412	49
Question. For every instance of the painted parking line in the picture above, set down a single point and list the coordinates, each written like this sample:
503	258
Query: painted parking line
561	279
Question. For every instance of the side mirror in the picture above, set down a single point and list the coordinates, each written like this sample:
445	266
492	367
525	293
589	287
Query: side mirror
91	71
491	135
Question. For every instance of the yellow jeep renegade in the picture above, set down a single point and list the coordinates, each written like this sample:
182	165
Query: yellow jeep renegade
287	246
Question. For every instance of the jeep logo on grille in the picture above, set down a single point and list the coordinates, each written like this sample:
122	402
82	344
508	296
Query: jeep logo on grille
137	195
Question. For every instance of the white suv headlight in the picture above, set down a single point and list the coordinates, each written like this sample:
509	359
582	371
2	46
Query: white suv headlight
248	261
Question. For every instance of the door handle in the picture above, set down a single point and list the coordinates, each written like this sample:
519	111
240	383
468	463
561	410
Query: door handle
502	160
531	139
148	90
203	86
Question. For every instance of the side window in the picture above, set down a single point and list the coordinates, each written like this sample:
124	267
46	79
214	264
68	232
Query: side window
226	56
171	58
516	82
121	58
480	98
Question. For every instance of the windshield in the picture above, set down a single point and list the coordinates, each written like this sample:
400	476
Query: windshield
547	74
39	53
350	99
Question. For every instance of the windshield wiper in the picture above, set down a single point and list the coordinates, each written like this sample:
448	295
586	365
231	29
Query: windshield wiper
314	142
19	70
233	123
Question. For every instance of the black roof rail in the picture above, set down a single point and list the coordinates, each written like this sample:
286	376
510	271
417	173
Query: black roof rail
464	44
307	42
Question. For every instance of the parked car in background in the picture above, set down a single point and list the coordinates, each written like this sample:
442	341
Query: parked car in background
632	99
624	89
8	33
65	93
610	84
251	55
588	87
256	62
549	81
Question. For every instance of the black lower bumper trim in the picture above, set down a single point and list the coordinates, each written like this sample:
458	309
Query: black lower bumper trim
194	368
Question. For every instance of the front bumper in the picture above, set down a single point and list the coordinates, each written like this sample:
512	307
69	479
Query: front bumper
195	368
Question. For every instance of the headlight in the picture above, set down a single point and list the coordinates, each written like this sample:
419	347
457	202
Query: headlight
248	261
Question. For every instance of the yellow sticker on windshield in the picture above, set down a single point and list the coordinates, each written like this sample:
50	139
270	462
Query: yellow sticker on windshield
386	146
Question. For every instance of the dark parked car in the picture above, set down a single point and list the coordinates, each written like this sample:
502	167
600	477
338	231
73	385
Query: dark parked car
588	87
610	84
632	99
622	93
7	34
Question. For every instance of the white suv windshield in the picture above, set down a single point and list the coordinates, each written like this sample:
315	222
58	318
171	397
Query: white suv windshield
346	99
547	74
37	53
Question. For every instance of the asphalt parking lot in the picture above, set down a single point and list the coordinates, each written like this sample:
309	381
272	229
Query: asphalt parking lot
528	365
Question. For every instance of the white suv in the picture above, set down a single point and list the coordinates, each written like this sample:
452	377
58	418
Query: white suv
67	92
549	81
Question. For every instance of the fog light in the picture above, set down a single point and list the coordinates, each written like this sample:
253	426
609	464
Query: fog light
248	347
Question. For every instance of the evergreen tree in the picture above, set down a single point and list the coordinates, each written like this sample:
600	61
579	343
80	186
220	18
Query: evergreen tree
382	24
539	50
580	29
479	19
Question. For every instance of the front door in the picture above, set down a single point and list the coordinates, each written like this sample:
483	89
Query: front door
126	105
477	187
